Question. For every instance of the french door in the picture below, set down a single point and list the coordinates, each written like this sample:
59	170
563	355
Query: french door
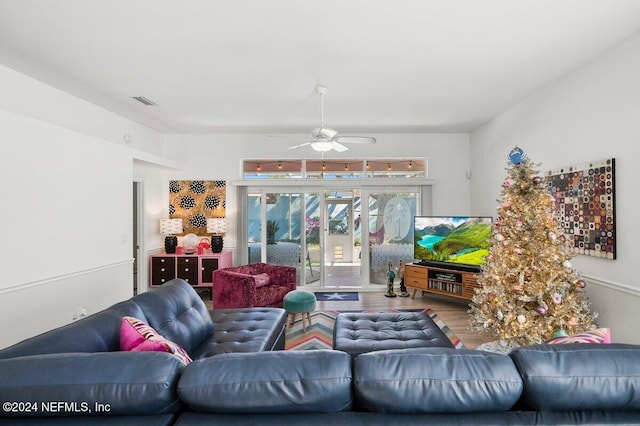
335	237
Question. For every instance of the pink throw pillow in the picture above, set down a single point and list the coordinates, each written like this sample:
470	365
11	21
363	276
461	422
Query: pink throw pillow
262	280
599	335
136	335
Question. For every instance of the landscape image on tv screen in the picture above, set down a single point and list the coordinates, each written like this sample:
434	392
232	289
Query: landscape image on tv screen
454	239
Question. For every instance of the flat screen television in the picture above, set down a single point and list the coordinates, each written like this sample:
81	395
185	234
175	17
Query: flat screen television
452	242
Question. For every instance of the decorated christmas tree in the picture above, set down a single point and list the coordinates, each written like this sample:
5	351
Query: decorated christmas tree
529	292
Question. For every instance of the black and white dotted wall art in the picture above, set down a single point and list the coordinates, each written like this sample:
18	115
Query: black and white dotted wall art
585	206
194	201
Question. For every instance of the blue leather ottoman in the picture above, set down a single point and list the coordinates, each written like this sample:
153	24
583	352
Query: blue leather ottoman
359	332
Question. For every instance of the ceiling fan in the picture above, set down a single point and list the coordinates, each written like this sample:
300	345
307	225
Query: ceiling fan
325	139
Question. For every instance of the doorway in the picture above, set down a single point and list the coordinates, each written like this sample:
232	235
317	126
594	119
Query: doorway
341	266
338	230
336	237
139	277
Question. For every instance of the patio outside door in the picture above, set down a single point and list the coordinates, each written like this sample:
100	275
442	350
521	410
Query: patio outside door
342	267
338	231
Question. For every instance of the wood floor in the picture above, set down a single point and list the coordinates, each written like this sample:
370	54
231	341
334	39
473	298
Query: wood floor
452	311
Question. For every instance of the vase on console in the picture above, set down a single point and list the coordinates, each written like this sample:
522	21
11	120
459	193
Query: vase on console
217	226
169	228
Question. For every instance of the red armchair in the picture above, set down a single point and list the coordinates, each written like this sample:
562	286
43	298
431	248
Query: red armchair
257	284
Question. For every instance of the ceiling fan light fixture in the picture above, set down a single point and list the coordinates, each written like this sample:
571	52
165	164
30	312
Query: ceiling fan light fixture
321	146
325	139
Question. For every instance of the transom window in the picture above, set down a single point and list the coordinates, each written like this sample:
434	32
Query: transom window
335	168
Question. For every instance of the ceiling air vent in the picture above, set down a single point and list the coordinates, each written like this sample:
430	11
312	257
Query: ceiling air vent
144	100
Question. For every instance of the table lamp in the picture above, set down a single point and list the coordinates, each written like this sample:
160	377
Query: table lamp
217	226
170	227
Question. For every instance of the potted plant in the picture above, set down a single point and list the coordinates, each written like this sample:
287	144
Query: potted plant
272	228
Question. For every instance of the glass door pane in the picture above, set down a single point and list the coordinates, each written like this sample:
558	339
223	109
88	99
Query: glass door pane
273	228
254	228
312	228
390	232
283	216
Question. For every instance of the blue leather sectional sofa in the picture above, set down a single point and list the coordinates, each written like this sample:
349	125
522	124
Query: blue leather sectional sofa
76	374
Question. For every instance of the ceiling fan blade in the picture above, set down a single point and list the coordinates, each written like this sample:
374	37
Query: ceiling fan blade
299	146
338	147
355	139
327	139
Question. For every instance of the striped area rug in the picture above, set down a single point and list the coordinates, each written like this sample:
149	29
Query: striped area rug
320	334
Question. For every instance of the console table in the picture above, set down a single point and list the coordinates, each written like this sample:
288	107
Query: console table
196	269
449	282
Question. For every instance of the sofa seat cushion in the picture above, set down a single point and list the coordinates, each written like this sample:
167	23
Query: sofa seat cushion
150	420
435	380
244	330
271	295
269	382
580	376
358	418
124	383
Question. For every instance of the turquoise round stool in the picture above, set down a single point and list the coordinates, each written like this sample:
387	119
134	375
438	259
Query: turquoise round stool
299	302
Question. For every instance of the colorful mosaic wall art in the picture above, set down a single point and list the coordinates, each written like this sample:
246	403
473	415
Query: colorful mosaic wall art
194	201
585	203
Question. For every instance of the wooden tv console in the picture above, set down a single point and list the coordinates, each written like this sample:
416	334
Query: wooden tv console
440	280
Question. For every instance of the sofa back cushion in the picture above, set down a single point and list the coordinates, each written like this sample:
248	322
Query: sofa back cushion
435	380
80	384
250	269
99	332
269	382
580	376
177	313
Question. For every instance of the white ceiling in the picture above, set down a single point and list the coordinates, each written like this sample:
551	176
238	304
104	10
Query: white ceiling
221	66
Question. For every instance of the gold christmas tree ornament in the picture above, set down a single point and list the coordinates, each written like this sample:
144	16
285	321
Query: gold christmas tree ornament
529	291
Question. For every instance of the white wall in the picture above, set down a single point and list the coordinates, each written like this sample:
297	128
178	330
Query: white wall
25	96
66	210
218	157
591	114
68	207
